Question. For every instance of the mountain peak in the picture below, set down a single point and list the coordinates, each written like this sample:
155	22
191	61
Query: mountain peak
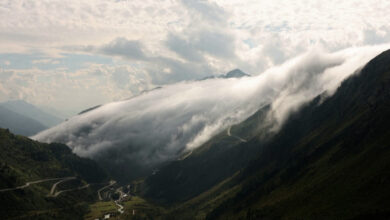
236	73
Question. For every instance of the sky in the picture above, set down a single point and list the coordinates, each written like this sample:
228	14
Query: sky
70	55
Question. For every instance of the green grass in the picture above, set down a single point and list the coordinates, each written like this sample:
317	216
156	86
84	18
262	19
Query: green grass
23	160
99	209
142	209
330	160
199	206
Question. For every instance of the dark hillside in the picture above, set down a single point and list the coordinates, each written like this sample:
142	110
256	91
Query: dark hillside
24	160
331	160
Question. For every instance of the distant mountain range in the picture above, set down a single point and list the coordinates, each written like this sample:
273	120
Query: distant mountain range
24	118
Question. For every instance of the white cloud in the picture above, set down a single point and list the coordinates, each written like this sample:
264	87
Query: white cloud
128	49
191	39
163	123
71	92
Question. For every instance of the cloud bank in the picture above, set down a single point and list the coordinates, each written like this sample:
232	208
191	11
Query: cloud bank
164	123
53	48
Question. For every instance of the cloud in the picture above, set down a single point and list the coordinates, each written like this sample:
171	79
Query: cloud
208	11
168	70
376	36
128	49
193	46
73	91
219	44
183	47
172	41
162	124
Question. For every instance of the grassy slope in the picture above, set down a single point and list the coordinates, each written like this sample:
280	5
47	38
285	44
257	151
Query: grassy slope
330	161
212	163
24	160
99	209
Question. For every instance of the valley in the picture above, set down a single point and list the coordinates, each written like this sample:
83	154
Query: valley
194	110
328	157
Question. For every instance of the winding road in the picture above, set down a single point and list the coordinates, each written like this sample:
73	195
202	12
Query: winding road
54	194
34	182
230	135
68	190
120	209
112	182
53	188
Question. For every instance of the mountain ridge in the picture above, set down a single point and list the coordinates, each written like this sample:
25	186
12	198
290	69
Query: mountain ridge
361	137
296	172
29	171
18	123
28	110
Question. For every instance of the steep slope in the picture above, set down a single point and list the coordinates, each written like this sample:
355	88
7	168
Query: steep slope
18	123
28	110
28	170
206	166
330	160
159	126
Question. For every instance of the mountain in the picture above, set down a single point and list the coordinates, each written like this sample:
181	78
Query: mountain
29	170
330	160
28	110
206	166
137	135
236	73
133	137
256	166
89	109
19	123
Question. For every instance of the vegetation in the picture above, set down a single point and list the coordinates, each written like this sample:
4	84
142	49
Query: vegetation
24	160
330	160
207	166
99	209
141	209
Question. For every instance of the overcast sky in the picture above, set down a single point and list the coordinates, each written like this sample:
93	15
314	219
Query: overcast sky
71	55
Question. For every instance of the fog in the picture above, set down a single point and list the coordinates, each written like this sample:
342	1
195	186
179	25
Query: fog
164	123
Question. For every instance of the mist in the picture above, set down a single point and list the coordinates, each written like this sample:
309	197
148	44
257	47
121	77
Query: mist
164	123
